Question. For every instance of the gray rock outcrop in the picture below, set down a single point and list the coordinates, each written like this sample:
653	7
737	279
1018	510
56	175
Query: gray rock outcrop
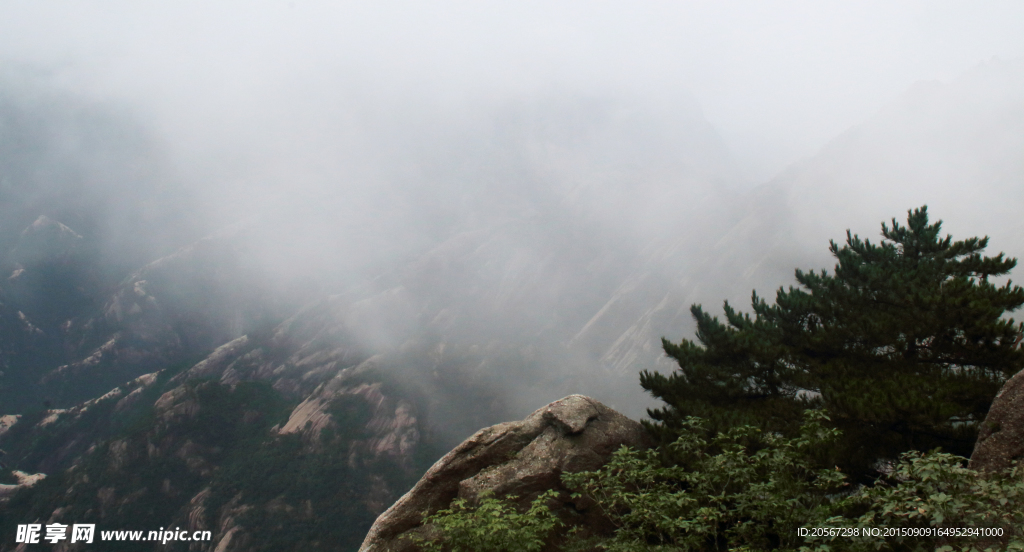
524	459
1001	438
23	480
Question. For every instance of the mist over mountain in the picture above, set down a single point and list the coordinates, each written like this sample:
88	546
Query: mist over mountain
577	228
91	166
956	147
376	331
86	197
256	306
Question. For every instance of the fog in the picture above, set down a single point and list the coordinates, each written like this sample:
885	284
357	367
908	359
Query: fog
776	79
578	170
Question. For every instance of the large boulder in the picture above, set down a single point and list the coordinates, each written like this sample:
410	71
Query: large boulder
1001	438
521	459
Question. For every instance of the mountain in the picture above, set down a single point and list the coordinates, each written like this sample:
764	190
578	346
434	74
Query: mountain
196	390
84	200
268	442
957	147
281	380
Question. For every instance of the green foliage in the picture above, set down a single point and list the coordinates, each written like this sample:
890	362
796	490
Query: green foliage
721	496
729	497
492	526
905	345
32	449
310	495
143	490
350	414
738	375
7	477
935	494
319	498
226	415
53	448
300	494
146	490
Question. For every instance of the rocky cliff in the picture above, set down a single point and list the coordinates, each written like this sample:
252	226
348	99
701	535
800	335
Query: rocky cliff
515	459
1001	437
268	442
164	377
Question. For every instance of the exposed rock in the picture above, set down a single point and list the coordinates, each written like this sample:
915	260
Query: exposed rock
391	427
23	480
196	511
75	430
523	458
1001	438
304	351
132	399
7	421
52	415
166	312
232	536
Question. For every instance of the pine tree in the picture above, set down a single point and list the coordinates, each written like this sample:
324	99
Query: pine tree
905	344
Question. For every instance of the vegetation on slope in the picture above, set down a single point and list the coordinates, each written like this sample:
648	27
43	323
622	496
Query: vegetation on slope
720	494
145	471
901	350
905	345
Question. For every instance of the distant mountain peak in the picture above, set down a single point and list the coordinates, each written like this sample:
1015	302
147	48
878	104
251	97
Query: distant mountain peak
45	239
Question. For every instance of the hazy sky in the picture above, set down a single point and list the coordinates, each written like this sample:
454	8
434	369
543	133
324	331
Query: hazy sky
777	79
360	135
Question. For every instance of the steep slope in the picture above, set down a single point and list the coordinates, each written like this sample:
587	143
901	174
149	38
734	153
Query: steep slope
548	258
957	147
71	335
294	439
84	200
91	166
580	214
178	307
296	434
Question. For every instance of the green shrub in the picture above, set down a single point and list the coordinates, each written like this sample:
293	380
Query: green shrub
492	526
934	494
905	343
747	490
719	494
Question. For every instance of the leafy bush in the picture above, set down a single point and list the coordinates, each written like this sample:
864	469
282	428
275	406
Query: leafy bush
747	490
905	343
720	495
934	494
492	526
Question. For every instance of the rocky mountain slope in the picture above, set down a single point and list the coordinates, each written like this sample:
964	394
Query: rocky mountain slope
521	459
267	442
186	386
957	147
189	391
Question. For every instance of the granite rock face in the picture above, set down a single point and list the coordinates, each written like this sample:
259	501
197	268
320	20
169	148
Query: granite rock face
1001	438
524	458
